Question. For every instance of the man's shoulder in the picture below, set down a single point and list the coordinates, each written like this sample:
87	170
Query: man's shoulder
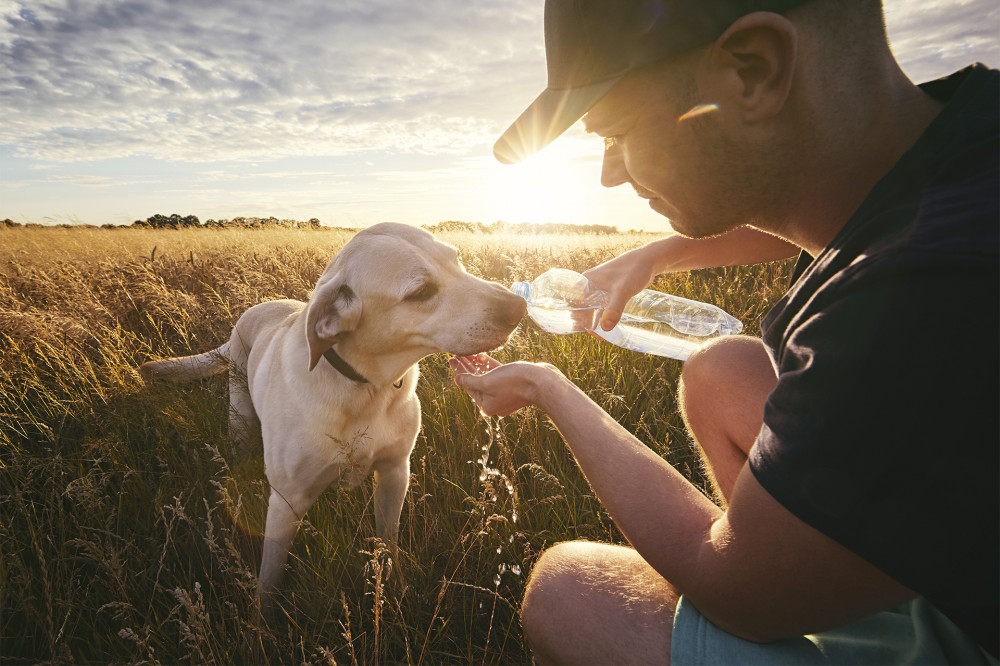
959	197
936	211
943	196
975	83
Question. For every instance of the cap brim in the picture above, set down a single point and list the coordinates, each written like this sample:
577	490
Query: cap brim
552	113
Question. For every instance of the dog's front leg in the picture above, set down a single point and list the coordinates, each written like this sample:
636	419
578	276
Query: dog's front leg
391	480
284	513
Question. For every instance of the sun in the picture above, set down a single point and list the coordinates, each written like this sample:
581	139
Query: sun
550	187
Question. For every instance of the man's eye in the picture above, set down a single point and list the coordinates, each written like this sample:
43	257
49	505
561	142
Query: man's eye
424	293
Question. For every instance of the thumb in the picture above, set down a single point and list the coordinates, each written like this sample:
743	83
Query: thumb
467	380
612	312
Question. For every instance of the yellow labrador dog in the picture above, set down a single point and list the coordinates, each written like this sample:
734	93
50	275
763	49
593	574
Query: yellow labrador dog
330	384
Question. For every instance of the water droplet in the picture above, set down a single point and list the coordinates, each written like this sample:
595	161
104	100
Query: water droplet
515	569
498	550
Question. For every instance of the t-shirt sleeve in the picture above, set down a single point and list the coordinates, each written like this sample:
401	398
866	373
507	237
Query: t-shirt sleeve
882	430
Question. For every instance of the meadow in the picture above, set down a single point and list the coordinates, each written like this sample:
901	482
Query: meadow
130	529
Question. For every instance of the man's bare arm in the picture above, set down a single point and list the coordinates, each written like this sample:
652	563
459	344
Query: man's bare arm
754	570
626	275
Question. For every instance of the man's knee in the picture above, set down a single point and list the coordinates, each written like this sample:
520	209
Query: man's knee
560	600
714	365
583	599
552	577
726	366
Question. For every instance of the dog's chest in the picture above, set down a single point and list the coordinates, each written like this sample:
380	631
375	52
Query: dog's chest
347	439
350	452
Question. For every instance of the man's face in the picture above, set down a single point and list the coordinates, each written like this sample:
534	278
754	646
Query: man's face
671	149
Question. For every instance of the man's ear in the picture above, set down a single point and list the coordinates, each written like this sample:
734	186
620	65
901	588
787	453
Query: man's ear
756	57
334	311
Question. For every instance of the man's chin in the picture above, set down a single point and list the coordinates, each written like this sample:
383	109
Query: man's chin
660	206
677	222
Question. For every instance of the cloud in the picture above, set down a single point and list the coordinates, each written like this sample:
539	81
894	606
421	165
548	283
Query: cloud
228	80
236	79
931	38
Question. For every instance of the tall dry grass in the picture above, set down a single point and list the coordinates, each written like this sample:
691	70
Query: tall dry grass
130	530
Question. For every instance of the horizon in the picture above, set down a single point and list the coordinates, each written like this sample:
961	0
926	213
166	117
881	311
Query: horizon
352	114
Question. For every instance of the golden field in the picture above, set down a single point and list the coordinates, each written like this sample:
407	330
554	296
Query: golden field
130	531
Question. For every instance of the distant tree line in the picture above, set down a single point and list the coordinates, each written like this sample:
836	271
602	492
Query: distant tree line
176	221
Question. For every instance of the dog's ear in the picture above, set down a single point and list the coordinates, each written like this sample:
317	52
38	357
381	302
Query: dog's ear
334	311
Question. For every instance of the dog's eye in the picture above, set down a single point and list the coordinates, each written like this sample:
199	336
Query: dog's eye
424	293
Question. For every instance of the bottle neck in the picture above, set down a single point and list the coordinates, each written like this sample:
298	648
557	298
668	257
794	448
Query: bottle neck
522	289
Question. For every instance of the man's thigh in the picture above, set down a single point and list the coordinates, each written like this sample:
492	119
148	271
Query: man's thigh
597	603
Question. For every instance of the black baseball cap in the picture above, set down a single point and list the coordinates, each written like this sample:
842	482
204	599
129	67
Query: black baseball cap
590	45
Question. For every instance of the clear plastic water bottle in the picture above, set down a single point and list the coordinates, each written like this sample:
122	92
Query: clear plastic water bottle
563	301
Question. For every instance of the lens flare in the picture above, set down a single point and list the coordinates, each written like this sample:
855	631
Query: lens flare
698	110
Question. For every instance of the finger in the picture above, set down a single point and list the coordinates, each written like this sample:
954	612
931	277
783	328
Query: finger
477	364
489	363
611	317
469	381
463	364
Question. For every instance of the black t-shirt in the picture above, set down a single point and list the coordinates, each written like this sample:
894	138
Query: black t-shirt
883	429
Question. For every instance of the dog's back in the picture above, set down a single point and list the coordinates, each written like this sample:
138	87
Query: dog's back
186	368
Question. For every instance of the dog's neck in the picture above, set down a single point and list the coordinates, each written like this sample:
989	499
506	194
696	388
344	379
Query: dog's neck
346	369
343	367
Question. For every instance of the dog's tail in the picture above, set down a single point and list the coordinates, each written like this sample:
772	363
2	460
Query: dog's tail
186	368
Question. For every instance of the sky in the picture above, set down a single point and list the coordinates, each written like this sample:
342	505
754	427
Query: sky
350	111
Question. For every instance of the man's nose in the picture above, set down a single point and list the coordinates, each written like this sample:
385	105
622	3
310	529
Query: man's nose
613	171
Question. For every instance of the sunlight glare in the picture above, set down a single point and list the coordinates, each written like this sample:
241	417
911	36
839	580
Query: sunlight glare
549	187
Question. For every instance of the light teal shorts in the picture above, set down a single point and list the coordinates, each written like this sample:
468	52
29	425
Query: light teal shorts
914	633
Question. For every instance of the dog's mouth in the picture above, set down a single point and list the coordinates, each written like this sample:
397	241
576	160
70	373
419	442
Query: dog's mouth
484	344
479	349
494	329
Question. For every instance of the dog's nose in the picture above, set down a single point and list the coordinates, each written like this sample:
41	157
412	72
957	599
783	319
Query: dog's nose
511	310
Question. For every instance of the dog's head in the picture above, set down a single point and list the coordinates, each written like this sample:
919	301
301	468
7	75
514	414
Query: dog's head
395	294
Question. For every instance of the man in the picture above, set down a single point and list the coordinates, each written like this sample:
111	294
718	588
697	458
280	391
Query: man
855	446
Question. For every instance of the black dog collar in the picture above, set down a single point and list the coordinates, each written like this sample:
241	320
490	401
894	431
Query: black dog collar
345	368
